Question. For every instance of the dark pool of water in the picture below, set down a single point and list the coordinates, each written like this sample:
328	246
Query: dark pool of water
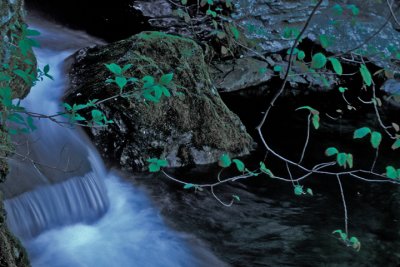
271	226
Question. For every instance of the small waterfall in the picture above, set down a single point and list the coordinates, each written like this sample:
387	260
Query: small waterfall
79	199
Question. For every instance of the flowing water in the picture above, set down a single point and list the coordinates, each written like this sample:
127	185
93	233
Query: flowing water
63	204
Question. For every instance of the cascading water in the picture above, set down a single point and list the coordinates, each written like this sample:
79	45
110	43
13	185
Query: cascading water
62	203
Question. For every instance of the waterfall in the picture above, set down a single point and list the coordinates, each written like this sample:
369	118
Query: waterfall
63	204
79	199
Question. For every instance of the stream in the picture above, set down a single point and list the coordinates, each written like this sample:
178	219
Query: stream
64	205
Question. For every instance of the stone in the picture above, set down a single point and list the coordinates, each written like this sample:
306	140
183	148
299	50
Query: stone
193	126
242	73
392	88
266	20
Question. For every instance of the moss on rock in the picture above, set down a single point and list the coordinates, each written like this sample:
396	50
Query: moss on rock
192	126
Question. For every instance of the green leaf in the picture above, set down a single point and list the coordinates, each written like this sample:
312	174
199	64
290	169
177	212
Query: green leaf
342	234
376	139
30	32
162	162
212	13
343	89
278	68
184	2
354	9
148	96
295	51
77	117
114	68
46	69
4	77
165	91
315	121
148	81
330	151
308	108
5	95
23	75
301	55
337	67
31	125
225	161
396	144
361	132
323	39
318	61
391	172
338	10
298	190
97	115
341	159
166	79
289	33
188	186
265	170
235	32
366	75
152	160
153	167
236	197
17	118
157	91
310	192
262	70
126	67
156	164
354	240
349	160
121	81
239	165
355	243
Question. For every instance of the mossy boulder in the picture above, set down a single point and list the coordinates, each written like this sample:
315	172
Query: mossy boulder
191	126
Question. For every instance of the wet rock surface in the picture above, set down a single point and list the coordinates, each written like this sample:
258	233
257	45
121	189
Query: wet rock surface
267	20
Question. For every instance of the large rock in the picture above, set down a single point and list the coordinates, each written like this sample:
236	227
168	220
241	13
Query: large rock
266	20
11	251
195	127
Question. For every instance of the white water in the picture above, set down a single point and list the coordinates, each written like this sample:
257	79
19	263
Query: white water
78	214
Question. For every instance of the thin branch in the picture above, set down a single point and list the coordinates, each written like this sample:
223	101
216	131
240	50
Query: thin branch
307	138
344	205
390	6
